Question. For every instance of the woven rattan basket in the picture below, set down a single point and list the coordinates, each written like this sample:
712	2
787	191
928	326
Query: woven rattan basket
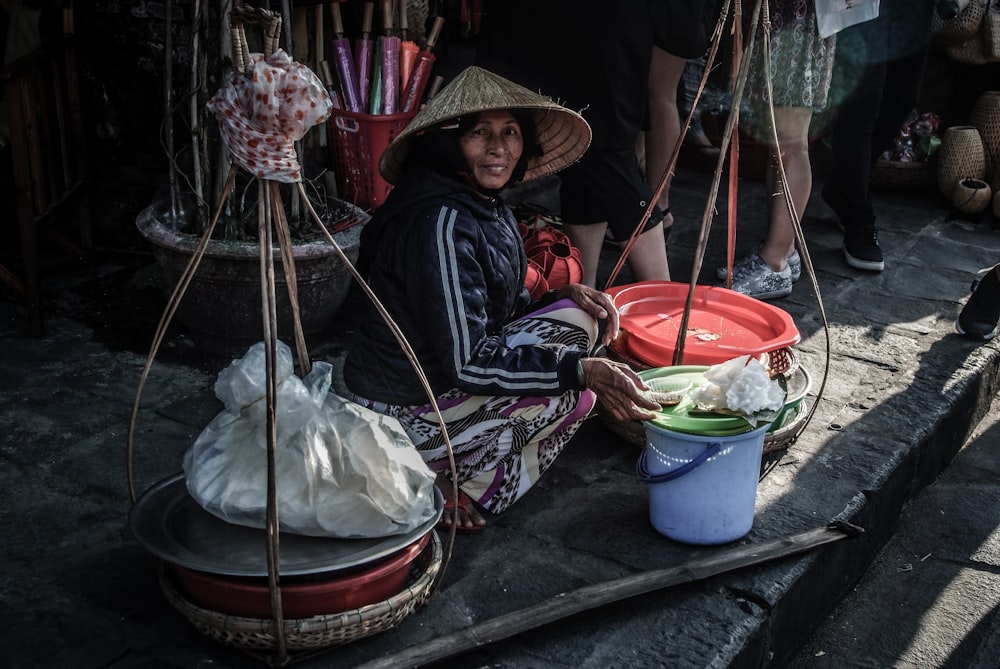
893	175
961	156
318	632
985	117
780	439
962	26
971	196
779	362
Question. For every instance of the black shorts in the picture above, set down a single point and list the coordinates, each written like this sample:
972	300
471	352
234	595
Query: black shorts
606	185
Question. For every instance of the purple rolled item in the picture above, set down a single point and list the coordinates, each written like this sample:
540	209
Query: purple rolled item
364	52
390	73
345	73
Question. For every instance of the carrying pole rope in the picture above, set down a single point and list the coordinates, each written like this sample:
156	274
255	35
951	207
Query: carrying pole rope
271	217
265	220
728	135
796	226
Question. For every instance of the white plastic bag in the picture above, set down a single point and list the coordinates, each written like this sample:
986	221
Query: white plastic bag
832	16
741	386
341	470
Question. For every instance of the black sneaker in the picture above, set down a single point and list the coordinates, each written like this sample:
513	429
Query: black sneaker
981	314
861	249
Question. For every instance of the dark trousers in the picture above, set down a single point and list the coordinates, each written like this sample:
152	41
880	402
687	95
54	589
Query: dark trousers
877	75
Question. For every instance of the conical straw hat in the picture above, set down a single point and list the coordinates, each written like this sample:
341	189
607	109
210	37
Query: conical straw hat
562	133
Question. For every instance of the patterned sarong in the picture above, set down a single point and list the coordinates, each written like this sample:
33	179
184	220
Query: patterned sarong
502	445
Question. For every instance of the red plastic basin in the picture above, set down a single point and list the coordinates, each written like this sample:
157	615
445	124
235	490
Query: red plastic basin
722	325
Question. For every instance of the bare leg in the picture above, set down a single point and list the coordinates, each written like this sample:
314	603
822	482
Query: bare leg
647	260
665	72
588	239
793	140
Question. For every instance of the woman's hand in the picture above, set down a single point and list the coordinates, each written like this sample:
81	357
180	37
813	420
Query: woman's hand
618	388
596	303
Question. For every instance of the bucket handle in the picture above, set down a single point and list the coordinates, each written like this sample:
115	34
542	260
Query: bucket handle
643	472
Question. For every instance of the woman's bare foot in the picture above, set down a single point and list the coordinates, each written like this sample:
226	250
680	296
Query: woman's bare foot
461	511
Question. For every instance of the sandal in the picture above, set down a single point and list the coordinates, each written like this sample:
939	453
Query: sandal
464	503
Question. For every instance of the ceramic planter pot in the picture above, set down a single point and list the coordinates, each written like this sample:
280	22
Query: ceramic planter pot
221	309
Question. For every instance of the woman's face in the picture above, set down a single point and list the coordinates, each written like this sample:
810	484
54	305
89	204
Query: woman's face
492	148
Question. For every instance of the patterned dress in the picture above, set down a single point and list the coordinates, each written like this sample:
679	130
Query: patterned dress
801	63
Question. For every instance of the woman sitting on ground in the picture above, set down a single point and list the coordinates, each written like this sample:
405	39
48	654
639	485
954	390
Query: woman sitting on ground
513	379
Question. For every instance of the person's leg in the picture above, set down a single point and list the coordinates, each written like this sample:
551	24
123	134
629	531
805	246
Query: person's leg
695	139
765	274
502	445
899	96
851	151
908	41
857	92
648	258
588	239
792	124
665	72
606	191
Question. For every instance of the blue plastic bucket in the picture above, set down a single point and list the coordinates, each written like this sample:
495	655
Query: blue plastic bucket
702	489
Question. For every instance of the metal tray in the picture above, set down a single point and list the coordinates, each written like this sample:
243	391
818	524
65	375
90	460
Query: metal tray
171	525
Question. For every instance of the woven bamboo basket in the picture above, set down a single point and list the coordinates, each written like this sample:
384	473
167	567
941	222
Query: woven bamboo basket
985	117
779	439
318	632
894	175
971	196
781	362
960	27
991	36
961	156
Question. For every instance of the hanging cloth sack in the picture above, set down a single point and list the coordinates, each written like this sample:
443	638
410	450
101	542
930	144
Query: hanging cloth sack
341	470
832	16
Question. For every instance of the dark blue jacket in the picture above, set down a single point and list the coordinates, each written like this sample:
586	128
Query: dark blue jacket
449	266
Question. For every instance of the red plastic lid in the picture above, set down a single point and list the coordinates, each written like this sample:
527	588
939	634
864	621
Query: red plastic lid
723	324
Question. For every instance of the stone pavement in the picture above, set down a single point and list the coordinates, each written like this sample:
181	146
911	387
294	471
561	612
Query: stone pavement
902	395
932	596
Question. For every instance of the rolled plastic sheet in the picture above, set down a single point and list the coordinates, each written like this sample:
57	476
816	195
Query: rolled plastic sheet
390	48
421	70
375	95
408	49
343	62
364	54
